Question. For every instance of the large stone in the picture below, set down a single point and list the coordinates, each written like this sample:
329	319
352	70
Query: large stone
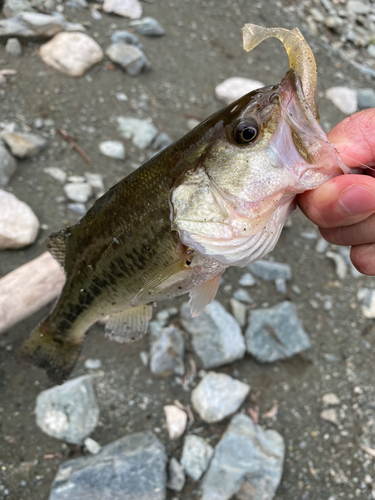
217	396
196	456
142	132
233	88
148	26
275	333
247	463
69	411
71	53
343	98
129	57
8	166
167	350
131	468
125	8
216	336
34	24
269	271
24	145
19	225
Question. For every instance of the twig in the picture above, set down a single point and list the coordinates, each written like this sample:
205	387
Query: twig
71	141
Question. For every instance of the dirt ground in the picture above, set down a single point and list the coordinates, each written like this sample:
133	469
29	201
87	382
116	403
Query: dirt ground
202	47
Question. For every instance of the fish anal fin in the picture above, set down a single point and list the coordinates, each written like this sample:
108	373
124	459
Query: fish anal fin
56	244
203	295
128	325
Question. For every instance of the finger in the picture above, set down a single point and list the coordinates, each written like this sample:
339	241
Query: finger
363	258
342	201
361	233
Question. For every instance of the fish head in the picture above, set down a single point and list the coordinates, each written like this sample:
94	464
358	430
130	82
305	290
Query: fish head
254	158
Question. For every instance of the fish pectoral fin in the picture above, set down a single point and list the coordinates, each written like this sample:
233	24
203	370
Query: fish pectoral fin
203	295
56	244
128	325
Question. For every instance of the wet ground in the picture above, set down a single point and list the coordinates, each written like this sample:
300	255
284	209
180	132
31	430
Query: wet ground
202	48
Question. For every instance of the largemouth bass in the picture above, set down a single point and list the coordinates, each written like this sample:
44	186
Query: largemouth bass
217	197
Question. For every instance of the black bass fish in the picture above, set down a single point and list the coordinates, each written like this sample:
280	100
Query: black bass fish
217	197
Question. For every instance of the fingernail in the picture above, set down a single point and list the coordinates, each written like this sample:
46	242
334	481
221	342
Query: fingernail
357	199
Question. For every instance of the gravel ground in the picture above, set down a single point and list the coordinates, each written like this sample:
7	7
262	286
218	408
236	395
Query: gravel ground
202	47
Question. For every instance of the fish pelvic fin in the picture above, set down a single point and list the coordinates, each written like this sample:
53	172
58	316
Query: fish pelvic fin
128	325
56	244
203	295
55	356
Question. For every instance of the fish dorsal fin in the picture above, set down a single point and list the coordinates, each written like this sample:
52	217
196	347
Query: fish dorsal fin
128	325
56	244
203	295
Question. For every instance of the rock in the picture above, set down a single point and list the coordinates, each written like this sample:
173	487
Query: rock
133	467
79	191
13	7
358	7
334	22
96	182
113	149
371	50
24	145
176	421
176	475
329	415
19	225
281	285
317	15
247	280
93	364
124	36
343	98
71	53
233	88
216	336
142	132
69	411
92	446
77	4
247	464
126	8
330	399
275	333
269	271
239	311
56	173
33	24
8	165
367	297
162	141
217	396
78	208
366	98
13	47
129	57
340	264
322	245
167	350
148	26
243	296
196	456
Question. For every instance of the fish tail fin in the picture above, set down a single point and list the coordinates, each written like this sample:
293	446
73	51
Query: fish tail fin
56	356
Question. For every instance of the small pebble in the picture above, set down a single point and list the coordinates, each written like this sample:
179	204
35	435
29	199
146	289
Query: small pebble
13	47
92	446
329	416
93	364
113	149
330	399
176	421
247	280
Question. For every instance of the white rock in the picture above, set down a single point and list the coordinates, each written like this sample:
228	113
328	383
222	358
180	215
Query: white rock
79	191
24	145
235	87
176	475
125	8
329	415
217	396
19	225
322	245
8	165
358	7
176	421
33	24
343	98
371	50
367	297
95	181
142	132
196	456
340	264
13	47
239	311
56	173
330	399
71	53
92	446
113	149
247	280
93	364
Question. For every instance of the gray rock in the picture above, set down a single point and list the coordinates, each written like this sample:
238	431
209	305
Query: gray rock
24	145
13	47
371	50
366	98
78	191
129	57
96	182
247	463
33	24
124	36
69	411
77	4
334	23
56	173
247	280
162	141
8	165
93	364
148	26
239	311
78	208
243	296
367	297
176	475
113	149
167	350
344	98
125	8
269	271
216	336
142	132
133	468
196	456
275	333
13	7
358	7
217	396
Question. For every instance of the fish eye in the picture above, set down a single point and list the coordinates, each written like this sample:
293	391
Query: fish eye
246	132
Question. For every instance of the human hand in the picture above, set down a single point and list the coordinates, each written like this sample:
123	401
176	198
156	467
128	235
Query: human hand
344	207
